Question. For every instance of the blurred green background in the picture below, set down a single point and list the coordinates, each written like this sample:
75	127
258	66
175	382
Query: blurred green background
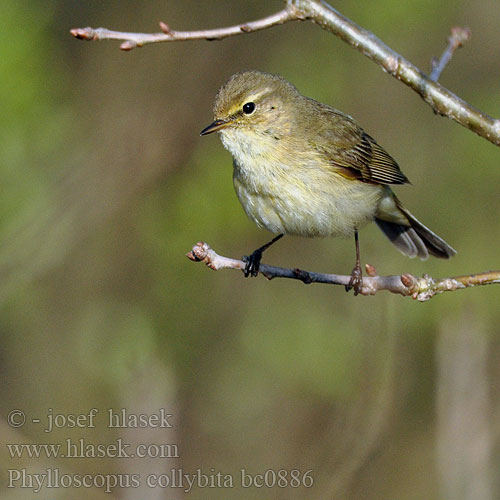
106	185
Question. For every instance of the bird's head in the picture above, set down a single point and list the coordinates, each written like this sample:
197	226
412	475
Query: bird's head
255	103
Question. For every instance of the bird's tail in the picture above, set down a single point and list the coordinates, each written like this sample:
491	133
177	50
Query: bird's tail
408	234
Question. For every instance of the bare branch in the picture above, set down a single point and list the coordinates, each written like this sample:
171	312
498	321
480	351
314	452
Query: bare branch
441	100
132	40
421	289
456	40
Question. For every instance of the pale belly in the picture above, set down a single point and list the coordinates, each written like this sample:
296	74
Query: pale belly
308	203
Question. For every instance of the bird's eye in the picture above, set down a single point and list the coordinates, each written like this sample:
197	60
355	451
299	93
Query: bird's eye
248	108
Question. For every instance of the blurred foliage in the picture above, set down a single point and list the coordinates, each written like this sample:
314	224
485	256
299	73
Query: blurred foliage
106	186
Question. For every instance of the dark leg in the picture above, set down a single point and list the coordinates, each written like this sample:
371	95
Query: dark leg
356	280
253	262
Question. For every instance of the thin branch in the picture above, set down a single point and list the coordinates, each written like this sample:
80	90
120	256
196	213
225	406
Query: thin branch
132	40
421	289
456	40
441	100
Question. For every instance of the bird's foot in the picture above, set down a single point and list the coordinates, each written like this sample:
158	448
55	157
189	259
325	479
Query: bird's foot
356	281
252	263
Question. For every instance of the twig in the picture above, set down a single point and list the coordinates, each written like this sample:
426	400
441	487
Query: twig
421	289
132	40
457	38
441	100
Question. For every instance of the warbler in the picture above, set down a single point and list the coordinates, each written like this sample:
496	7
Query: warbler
304	168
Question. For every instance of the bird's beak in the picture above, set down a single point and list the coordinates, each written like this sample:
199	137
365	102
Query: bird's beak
215	126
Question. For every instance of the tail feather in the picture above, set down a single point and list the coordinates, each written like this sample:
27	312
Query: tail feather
404	238
414	239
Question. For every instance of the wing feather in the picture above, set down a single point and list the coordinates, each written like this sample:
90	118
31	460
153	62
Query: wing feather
350	150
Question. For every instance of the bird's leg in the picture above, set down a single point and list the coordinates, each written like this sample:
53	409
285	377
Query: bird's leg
356	280
253	261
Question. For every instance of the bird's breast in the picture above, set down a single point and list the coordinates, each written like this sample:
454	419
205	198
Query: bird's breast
301	195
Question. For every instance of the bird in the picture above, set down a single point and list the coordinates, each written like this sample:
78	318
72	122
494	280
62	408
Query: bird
301	167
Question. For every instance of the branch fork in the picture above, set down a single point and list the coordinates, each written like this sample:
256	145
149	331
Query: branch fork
442	101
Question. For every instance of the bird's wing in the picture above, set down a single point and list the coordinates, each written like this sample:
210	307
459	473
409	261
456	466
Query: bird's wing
353	153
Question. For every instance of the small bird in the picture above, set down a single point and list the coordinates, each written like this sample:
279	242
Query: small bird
304	168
